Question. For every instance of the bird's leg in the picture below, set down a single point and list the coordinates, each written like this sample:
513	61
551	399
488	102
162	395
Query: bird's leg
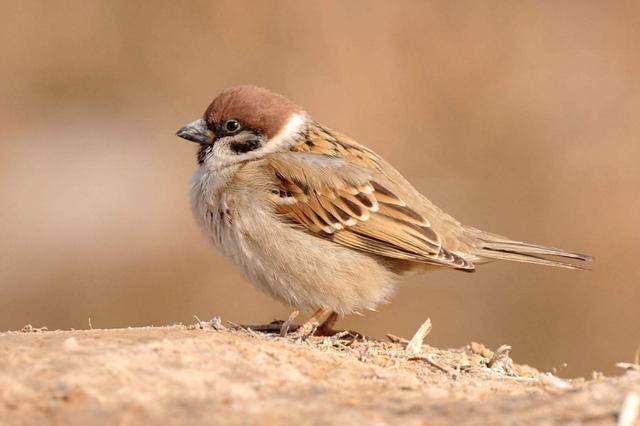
311	325
326	328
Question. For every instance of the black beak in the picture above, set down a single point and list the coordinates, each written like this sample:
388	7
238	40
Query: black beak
198	132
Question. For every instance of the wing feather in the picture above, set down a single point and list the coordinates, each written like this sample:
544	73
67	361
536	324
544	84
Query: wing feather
341	200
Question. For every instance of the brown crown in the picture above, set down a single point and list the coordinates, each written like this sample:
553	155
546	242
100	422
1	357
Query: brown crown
254	107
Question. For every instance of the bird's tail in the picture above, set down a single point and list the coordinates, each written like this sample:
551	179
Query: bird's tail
496	247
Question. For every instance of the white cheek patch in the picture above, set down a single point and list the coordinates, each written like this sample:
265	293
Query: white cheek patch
286	137
223	156
221	152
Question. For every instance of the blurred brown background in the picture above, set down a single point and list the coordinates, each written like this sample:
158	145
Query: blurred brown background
522	118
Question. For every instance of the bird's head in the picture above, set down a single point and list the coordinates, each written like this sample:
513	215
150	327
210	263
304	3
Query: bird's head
245	123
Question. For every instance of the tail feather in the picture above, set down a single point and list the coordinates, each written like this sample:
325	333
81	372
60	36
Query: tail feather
491	246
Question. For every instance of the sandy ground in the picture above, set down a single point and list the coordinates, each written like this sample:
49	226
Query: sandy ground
221	374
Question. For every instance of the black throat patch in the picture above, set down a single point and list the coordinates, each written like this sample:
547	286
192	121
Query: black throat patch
203	151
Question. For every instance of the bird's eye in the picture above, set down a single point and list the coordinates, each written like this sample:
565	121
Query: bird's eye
231	126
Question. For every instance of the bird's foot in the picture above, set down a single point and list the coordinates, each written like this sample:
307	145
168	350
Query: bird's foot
305	330
312	327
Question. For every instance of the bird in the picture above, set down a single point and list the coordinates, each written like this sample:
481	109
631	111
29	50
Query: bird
319	221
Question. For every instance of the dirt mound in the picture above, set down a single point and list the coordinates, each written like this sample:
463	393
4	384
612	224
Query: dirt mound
215	374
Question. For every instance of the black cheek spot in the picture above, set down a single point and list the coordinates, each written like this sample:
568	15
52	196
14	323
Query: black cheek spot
246	146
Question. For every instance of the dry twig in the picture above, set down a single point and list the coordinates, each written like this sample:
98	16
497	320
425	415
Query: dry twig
431	362
501	352
397	339
31	329
415	344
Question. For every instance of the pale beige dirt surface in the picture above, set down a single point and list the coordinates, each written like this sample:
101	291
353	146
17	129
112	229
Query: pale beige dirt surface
208	374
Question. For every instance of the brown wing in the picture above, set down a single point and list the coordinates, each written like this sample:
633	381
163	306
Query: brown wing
340	200
320	140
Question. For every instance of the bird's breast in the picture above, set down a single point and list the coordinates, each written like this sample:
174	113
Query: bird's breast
212	207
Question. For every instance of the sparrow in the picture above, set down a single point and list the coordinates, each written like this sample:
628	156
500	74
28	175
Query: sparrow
319	221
